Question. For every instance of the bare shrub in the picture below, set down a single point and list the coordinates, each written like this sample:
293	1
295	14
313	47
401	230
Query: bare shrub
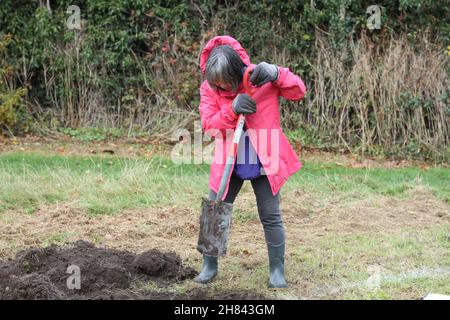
367	95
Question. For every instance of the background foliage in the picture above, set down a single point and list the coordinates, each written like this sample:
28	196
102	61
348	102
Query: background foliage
134	65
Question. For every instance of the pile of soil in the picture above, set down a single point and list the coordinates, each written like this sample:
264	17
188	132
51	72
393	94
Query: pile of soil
42	273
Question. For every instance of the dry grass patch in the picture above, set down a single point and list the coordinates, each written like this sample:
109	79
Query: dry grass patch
418	209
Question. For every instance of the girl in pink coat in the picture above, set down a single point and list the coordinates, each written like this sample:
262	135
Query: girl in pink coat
265	156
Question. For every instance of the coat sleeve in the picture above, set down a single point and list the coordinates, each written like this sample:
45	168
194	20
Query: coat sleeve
290	86
214	116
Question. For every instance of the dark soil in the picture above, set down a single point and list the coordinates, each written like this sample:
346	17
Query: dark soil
41	273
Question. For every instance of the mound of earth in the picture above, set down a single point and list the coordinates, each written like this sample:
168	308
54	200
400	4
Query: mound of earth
103	273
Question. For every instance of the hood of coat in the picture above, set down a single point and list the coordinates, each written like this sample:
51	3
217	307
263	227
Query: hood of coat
220	41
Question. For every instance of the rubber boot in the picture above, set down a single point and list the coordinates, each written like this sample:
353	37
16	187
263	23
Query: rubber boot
209	270
276	266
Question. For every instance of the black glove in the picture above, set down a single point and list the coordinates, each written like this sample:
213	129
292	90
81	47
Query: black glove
243	104
263	73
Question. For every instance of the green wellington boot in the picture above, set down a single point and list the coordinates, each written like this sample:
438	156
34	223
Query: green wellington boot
276	266
209	270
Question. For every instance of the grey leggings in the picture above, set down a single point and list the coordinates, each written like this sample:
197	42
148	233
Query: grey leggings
268	206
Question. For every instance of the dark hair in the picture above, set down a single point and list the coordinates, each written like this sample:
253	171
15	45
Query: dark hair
224	65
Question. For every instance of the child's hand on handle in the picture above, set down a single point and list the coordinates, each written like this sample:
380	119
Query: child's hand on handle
243	104
263	73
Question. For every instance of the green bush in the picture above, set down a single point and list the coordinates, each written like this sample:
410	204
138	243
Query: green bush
135	63
11	104
121	38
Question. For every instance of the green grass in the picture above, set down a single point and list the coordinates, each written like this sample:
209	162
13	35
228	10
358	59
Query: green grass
326	179
108	184
99	184
411	264
337	255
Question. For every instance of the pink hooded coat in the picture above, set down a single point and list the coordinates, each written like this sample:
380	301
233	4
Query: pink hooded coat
277	157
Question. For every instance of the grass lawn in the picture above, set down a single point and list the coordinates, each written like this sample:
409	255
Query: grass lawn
379	233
